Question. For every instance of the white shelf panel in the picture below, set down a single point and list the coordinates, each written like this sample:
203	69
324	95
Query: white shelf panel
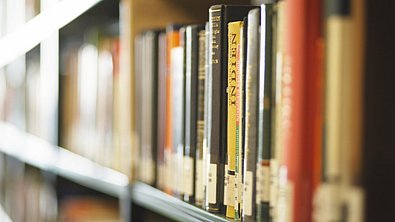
41	27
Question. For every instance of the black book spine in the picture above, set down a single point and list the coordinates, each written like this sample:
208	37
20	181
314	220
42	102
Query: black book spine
216	144
191	109
154	104
251	116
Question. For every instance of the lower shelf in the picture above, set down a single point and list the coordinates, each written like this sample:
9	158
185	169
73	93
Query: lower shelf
168	206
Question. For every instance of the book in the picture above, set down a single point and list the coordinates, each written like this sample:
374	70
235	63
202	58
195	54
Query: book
200	126
240	124
300	109
161	111
341	182
265	113
207	110
191	109
233	90
177	54
251	106
219	17
147	119
279	64
173	41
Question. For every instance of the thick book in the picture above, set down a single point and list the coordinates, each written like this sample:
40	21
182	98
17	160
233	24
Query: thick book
265	112
343	112
233	91
148	117
251	114
219	17
191	109
200	119
301	108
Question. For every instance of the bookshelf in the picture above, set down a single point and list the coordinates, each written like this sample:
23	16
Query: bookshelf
50	158
69	19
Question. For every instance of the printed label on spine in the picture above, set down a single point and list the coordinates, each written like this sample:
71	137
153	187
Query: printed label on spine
199	181
247	194
188	175
212	184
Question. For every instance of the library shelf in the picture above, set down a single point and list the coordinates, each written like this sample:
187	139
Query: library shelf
41	154
168	206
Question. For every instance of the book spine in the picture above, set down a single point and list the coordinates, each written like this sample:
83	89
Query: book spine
278	149
137	87
199	184
215	170
161	111
178	94
173	39
250	138
265	113
191	106
154	105
338	59
240	126
232	127
207	112
301	101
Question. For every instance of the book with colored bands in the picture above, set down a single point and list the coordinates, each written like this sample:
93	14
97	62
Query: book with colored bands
233	91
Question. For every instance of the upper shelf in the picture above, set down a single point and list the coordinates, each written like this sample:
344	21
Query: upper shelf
39	153
39	28
168	206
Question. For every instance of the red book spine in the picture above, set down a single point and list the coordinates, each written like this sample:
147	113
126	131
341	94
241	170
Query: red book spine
302	96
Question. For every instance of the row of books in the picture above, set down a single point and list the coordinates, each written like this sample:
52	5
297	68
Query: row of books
232	115
89	95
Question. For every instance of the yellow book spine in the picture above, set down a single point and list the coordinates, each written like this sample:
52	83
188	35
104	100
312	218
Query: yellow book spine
232	90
